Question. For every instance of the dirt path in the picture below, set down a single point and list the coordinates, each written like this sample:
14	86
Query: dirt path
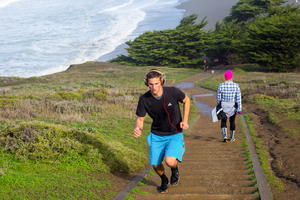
210	169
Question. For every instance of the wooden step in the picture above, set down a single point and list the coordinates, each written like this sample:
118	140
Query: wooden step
214	152
216	166
209	179
212	156
180	189
187	196
199	172
214	161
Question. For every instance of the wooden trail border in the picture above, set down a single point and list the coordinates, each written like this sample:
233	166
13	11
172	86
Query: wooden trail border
262	183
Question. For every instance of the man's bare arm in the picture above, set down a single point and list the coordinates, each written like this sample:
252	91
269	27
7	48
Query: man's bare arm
186	111
137	132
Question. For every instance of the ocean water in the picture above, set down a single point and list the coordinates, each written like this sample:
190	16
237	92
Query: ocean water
39	37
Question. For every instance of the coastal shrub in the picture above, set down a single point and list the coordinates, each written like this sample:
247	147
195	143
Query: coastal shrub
53	143
88	108
39	141
73	107
273	88
279	110
97	84
30	96
8	102
8	97
278	105
294	112
99	94
67	95
124	159
81	91
239	71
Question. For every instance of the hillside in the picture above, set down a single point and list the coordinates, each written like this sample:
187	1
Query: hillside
65	135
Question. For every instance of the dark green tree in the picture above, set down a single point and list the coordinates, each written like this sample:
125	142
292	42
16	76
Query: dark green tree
273	41
225	42
245	10
183	46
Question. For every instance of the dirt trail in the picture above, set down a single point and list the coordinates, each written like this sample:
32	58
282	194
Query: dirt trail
210	169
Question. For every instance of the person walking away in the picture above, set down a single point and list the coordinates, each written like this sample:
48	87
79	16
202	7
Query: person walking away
165	139
229	96
205	66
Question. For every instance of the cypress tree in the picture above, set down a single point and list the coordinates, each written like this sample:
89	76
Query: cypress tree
273	41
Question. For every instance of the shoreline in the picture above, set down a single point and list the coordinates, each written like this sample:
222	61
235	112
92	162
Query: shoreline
187	8
153	22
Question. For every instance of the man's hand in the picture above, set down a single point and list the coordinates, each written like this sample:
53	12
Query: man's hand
137	132
184	125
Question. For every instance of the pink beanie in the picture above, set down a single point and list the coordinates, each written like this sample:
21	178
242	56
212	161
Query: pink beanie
228	75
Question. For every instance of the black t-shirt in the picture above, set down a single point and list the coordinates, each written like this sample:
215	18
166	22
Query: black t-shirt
165	112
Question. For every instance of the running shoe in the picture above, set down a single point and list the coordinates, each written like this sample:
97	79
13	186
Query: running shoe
163	188
175	176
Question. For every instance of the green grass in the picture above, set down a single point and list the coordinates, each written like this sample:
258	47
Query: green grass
199	81
248	157
247	153
129	197
263	157
138	190
151	173
62	134
37	180
211	83
280	110
192	115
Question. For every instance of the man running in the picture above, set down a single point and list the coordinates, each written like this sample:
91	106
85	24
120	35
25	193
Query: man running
166	138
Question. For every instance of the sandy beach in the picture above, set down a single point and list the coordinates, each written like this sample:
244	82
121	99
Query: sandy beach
214	10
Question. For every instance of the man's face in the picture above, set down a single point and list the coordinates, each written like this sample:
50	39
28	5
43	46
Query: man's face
155	86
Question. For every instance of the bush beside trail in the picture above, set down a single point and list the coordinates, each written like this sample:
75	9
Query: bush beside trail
55	143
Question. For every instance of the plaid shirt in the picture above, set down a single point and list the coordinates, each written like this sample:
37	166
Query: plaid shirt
228	92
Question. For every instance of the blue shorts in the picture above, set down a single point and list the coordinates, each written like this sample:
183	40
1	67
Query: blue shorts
165	146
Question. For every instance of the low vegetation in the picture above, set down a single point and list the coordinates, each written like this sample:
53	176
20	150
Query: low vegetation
263	156
247	153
